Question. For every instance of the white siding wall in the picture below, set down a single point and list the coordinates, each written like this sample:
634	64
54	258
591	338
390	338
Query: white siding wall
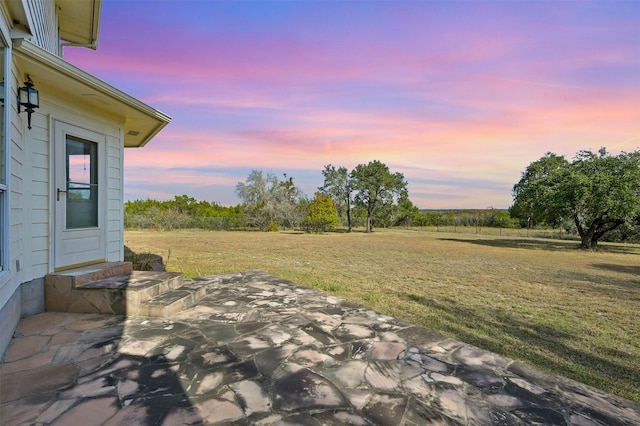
45	20
12	278
115	198
42	197
38	213
30	187
10	303
30	184
30	193
16	182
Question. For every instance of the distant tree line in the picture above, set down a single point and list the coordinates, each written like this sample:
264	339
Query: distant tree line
595	197
181	212
368	196
489	218
321	215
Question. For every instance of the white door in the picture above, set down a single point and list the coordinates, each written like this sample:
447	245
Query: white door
79	189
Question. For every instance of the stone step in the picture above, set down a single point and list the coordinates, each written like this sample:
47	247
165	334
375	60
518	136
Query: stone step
111	293
167	304
138	287
146	283
99	271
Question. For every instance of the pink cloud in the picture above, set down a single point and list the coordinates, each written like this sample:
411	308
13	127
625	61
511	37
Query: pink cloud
441	90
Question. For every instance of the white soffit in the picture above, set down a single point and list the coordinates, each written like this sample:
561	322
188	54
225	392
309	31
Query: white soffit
79	21
52	74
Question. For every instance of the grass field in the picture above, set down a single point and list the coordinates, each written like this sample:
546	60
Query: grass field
541	301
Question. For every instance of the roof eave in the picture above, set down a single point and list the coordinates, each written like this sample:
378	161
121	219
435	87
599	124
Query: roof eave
73	30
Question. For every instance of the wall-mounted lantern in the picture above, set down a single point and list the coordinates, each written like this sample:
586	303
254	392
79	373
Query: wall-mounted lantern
28	98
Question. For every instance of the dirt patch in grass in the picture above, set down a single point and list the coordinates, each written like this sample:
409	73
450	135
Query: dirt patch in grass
544	302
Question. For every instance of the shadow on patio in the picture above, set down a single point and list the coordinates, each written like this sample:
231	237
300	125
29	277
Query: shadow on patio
262	350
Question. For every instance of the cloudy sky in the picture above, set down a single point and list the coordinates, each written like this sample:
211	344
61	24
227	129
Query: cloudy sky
459	96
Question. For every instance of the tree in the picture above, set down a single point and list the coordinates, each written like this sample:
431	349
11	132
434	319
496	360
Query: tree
288	197
407	213
597	191
376	187
184	204
338	185
269	202
322	213
256	196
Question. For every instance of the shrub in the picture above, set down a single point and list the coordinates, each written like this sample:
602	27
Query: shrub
143	261
322	214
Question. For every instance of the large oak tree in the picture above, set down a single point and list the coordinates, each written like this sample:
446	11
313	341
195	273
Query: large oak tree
597	191
375	187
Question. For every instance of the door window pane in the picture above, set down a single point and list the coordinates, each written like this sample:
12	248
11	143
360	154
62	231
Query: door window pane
82	183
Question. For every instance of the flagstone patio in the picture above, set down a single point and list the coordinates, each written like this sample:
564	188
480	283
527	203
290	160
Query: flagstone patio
260	350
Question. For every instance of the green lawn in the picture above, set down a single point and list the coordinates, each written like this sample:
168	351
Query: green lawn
541	301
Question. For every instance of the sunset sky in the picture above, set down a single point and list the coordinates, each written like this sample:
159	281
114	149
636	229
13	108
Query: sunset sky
458	96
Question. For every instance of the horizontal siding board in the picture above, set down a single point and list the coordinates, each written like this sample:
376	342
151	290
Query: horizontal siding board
41	243
39	270
39	174
114	194
15	198
39	188
16	184
40	216
115	234
40	160
39	125
39	145
39	257
16	243
40	229
113	180
40	202
114	246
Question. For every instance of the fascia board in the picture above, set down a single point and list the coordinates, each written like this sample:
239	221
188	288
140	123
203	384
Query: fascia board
97	11
17	11
75	30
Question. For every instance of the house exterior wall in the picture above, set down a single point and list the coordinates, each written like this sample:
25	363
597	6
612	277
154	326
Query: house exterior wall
33	166
12	274
30	197
45	25
115	198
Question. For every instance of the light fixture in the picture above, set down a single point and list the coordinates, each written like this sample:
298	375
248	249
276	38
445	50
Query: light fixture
28	98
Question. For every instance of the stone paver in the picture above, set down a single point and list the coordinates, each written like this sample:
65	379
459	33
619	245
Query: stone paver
260	350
